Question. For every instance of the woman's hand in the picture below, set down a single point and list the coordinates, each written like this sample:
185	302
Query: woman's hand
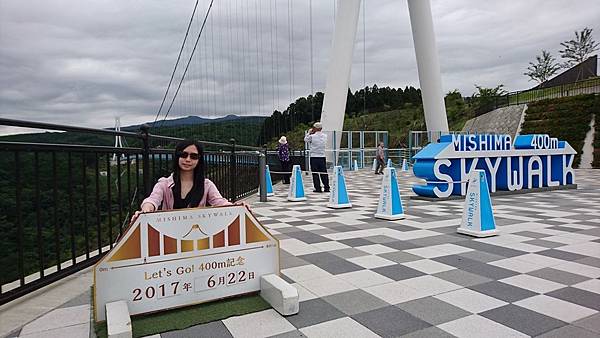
146	207
242	203
134	217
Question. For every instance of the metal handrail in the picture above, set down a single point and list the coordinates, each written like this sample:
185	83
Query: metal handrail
536	94
72	201
62	127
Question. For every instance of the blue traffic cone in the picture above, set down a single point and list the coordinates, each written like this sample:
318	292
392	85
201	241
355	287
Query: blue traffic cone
478	215
390	204
268	182
338	197
404	165
296	192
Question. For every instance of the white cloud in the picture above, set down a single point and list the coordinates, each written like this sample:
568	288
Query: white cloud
85	62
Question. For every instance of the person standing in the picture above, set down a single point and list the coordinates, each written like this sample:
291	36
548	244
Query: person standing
283	152
380	159
317	141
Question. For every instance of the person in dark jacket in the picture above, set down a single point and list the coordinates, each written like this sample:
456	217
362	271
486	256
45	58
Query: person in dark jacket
380	159
283	152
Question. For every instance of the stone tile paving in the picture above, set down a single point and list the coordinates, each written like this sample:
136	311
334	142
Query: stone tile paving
364	277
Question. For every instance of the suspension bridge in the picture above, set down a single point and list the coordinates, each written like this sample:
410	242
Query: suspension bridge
250	57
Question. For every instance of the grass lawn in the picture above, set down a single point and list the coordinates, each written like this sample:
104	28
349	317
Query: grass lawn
178	319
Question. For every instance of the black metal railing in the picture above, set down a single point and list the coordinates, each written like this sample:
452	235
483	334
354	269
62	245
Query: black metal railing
588	86
64	205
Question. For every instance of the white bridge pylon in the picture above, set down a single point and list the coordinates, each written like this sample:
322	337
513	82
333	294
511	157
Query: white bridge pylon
118	139
338	74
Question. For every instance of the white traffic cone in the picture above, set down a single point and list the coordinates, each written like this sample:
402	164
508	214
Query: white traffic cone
355	165
389	163
478	215
338	197
296	192
404	165
374	164
390	204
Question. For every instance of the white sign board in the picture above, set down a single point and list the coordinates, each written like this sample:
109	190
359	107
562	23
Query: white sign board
184	257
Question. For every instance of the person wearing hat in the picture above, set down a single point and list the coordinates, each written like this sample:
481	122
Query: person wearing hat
317	141
283	152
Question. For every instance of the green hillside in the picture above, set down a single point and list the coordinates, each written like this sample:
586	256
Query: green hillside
397	122
567	119
245	133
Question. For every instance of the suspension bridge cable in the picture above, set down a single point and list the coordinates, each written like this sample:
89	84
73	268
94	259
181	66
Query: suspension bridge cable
259	70
189	61
199	83
312	90
277	49
244	40
203	83
245	58
257	67
230	58
290	60
261	65
221	73
292	112
237	43
273	83
364	56
176	63
212	56
334	11
248	40
206	97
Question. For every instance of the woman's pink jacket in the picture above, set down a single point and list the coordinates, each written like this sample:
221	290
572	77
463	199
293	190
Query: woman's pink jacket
162	194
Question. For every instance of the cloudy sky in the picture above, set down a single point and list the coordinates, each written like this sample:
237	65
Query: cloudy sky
87	62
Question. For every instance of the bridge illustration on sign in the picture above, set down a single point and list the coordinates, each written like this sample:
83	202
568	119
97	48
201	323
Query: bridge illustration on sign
195	227
149	240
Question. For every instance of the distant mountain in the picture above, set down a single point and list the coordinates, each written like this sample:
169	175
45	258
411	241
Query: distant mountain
245	129
193	120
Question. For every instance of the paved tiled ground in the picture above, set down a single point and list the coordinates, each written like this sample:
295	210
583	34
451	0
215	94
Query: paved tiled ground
358	276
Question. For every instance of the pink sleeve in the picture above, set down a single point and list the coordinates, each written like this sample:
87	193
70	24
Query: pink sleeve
157	195
213	196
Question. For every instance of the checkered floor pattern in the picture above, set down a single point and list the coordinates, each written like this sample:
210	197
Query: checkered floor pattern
358	276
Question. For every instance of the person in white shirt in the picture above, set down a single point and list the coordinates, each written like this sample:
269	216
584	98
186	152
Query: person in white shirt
317	140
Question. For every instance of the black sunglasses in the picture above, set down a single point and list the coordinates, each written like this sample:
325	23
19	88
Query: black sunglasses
185	154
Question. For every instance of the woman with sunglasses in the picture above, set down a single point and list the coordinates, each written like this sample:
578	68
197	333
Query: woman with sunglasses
186	187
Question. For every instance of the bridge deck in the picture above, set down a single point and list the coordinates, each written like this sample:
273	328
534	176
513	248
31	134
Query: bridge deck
359	276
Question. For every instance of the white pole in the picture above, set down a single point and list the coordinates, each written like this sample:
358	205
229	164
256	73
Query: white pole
428	65
118	142
338	73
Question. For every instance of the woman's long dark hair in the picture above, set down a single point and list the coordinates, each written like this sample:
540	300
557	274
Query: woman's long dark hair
195	195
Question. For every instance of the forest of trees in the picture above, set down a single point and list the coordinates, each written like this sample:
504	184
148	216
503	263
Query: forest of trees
307	109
